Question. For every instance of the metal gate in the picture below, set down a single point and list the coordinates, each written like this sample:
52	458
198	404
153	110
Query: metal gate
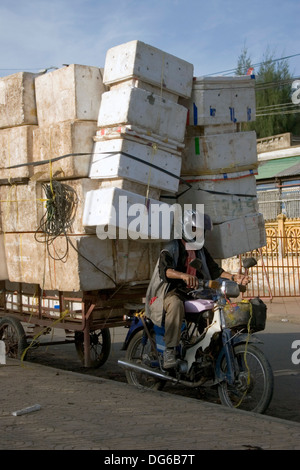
277	273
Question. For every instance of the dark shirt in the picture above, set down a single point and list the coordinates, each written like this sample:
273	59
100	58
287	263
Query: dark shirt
166	262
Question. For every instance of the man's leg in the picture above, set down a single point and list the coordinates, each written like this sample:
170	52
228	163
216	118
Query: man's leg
174	309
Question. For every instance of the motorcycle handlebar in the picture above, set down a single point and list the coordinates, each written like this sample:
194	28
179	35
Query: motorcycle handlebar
231	290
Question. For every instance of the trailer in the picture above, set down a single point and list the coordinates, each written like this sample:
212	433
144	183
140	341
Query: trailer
26	313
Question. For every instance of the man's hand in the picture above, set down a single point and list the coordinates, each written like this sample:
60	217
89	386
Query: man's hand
191	281
242	279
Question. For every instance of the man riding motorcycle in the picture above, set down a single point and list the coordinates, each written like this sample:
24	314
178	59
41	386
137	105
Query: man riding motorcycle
165	293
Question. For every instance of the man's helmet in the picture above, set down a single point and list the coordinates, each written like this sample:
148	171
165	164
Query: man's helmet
195	224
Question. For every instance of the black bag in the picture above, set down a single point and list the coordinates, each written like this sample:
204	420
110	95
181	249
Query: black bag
259	314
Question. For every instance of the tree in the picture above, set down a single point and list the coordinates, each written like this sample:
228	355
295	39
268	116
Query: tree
244	62
274	108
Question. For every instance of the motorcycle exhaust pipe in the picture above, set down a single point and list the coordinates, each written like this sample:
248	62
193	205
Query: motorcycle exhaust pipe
147	370
158	375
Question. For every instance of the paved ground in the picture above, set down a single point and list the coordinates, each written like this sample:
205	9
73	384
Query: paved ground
81	412
88	413
283	309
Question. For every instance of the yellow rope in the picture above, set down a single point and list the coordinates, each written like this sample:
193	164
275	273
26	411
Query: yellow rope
245	356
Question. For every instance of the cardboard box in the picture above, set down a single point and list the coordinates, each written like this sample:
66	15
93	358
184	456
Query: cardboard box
17	100
147	63
70	93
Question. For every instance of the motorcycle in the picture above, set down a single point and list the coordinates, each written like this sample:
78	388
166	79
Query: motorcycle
217	347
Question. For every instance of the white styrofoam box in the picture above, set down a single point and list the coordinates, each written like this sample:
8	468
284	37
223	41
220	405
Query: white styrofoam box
3	264
24	257
123	214
64	138
219	153
17	100
196	131
124	260
131	186
137	162
21	207
237	236
225	197
119	261
16	148
70	93
78	189
146	110
221	100
138	134
136	83
152	65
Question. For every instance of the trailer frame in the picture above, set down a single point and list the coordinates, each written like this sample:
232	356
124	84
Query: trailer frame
100	310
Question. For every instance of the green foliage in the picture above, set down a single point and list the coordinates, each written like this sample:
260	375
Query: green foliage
273	96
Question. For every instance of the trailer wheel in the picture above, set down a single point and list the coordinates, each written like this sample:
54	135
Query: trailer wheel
13	335
100	344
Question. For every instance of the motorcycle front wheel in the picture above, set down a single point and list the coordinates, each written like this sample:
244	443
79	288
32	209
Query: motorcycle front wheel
138	352
253	387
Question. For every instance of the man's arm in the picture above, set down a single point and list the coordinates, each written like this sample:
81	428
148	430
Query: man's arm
191	281
238	278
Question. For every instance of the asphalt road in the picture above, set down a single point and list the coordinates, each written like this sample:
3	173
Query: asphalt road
277	339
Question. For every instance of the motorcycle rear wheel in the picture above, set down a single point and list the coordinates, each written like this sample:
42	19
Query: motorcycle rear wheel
253	388
135	353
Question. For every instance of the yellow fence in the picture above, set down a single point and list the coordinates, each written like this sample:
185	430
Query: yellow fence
277	273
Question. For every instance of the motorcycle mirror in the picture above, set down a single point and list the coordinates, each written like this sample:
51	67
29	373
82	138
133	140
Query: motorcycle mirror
230	289
196	263
249	262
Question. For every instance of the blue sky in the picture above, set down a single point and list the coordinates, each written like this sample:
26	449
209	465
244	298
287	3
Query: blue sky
36	34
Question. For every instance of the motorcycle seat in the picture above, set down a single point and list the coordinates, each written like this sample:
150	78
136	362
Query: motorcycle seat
198	306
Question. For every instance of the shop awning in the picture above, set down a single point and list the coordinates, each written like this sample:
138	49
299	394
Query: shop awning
279	167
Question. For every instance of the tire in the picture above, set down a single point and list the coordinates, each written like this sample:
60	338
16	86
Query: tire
134	353
100	345
253	389
13	335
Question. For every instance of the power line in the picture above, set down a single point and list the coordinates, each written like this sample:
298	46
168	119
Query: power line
277	113
279	105
255	65
215	73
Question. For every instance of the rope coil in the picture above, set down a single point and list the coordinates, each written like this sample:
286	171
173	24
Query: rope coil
61	206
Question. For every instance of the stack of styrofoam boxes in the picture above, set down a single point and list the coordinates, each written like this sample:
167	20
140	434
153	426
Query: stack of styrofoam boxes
219	163
55	105
18	119
67	102
140	135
